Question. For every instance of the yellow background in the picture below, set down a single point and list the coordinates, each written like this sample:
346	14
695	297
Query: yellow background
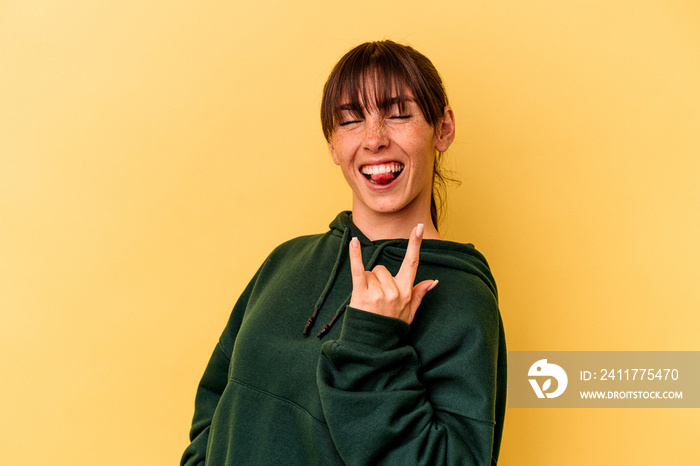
153	153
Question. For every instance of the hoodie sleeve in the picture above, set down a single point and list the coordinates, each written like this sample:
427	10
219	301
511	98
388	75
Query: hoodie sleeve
385	404
213	383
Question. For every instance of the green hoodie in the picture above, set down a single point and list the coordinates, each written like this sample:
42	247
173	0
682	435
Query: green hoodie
373	390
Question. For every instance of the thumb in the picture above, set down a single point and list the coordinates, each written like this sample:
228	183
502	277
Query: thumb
419	291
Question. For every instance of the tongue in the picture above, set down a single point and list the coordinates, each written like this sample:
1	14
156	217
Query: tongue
383	178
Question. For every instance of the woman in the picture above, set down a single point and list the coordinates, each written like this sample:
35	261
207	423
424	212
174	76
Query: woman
400	374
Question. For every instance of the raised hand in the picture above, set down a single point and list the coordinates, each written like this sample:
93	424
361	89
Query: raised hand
381	293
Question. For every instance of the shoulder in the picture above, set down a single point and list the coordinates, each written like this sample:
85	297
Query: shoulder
465	301
462	299
459	260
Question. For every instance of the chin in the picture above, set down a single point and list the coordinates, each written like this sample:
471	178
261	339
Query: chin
387	207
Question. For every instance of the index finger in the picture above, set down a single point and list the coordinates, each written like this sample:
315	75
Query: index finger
357	268
409	266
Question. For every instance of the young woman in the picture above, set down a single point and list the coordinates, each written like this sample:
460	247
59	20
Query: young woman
407	365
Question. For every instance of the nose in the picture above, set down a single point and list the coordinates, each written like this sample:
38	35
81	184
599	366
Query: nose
375	137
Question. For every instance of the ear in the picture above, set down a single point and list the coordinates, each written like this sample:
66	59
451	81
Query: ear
445	132
333	154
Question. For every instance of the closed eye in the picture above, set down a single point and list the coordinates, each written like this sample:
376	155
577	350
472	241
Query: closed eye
348	122
400	117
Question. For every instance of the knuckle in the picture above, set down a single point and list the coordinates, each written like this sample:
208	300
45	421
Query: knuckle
412	261
392	295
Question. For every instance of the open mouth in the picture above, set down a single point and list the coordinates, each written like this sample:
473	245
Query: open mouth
383	173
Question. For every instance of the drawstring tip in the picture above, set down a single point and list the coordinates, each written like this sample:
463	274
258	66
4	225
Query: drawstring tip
310	322
327	328
307	327
323	331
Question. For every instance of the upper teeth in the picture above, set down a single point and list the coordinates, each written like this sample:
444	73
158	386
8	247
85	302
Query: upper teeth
383	168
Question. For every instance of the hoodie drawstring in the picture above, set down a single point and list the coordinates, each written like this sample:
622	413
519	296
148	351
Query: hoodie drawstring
344	243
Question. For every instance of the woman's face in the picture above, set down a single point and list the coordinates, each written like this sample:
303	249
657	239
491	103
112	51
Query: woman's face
387	157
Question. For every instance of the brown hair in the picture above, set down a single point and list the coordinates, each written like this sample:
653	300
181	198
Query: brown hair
386	69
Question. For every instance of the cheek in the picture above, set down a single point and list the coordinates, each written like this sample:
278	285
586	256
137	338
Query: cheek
336	146
340	149
423	168
424	155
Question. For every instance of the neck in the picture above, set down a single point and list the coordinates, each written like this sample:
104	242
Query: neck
377	225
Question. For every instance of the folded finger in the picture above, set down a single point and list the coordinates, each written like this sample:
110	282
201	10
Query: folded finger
383	276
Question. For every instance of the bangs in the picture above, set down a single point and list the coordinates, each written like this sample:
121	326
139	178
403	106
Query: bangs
377	76
369	90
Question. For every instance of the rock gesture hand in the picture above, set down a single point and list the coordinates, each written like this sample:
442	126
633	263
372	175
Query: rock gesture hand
381	293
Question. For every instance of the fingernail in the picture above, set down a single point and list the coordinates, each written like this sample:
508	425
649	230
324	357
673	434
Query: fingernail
419	230
354	242
433	285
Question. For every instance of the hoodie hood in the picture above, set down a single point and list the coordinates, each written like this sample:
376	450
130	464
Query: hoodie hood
433	253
